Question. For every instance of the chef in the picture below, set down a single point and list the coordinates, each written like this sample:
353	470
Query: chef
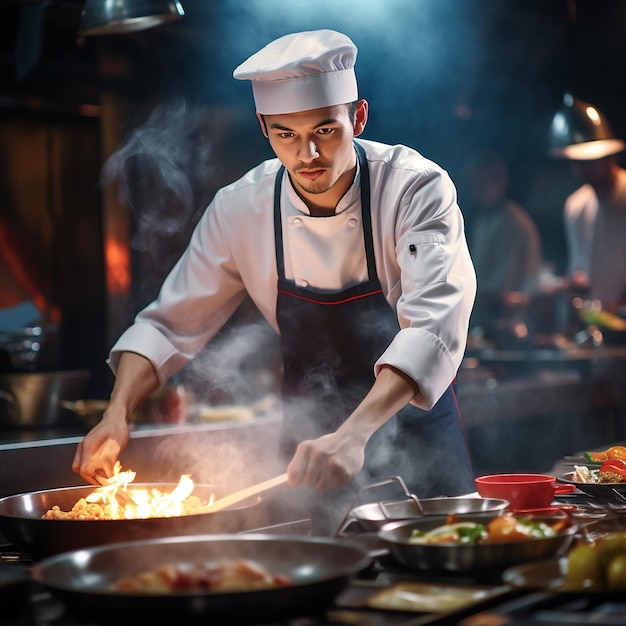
355	253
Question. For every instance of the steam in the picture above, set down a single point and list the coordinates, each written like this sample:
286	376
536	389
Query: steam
164	176
239	366
173	140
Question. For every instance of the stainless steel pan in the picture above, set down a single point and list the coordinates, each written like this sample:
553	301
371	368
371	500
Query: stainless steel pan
457	557
319	569
21	520
374	515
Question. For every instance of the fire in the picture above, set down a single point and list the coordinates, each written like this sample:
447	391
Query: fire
126	501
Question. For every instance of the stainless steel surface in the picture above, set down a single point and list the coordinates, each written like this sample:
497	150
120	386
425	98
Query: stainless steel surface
391	481
100	17
32	398
318	567
456	557
374	515
22	524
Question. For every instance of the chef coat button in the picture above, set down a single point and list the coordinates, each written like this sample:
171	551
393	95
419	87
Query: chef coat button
297	222
353	222
301	282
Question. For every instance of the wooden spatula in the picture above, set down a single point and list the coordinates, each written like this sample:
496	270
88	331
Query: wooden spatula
243	494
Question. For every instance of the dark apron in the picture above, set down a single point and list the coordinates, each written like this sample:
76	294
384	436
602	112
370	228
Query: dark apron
330	342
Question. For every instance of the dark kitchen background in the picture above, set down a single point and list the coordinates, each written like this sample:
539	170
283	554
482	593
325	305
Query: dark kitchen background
111	146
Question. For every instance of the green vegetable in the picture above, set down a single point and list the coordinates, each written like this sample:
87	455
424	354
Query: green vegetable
461	532
536	529
472	534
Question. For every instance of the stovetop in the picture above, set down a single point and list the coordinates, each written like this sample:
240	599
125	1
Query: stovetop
25	602
29	604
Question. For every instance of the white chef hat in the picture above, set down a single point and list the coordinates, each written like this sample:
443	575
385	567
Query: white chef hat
302	71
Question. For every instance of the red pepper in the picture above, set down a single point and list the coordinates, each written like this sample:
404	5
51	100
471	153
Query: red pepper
617	466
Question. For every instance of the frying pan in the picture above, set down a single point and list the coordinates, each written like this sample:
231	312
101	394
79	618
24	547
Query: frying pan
21	523
457	557
373	515
318	567
603	491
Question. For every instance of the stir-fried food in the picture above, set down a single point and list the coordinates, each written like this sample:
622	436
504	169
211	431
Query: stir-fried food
84	510
611	471
225	575
104	503
504	528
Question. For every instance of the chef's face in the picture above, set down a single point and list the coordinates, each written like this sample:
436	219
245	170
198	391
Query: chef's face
316	149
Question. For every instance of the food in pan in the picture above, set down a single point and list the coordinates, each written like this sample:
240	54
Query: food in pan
611	471
504	528
84	510
222	576
105	503
614	452
599	565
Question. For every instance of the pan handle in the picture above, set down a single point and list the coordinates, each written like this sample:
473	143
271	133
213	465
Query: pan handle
386	481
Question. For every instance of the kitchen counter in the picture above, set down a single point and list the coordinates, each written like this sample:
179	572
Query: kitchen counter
521	409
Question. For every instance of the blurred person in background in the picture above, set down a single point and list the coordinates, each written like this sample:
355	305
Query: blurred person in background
503	239
595	213
595	228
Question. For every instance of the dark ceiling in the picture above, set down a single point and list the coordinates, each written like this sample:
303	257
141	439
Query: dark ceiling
445	76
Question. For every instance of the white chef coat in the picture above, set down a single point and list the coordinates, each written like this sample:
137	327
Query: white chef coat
595	231
422	261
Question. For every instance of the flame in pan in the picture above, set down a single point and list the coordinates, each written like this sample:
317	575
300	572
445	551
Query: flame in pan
126	501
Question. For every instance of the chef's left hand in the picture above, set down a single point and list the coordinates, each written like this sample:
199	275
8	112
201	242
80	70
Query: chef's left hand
328	462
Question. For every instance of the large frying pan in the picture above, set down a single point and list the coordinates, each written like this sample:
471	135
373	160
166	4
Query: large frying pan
21	520
318	567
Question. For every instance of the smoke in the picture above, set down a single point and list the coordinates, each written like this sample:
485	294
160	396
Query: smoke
164	175
173	141
241	365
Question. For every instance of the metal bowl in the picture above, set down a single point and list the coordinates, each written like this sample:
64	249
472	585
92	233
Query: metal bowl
374	515
457	557
32	398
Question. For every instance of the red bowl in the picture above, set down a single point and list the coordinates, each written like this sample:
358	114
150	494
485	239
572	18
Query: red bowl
523	491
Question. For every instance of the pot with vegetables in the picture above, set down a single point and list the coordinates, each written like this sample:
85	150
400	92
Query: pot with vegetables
486	542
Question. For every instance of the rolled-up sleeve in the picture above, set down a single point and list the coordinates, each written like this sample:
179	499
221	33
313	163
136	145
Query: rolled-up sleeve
437	286
196	299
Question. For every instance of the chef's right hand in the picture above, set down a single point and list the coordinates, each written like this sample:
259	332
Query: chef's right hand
99	450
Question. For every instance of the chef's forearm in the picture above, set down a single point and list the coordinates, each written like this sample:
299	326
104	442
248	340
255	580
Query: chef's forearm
135	380
391	391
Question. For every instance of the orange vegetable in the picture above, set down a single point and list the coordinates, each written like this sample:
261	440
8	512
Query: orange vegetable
614	452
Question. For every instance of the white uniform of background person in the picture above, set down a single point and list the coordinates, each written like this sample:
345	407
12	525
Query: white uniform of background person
595	229
232	253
